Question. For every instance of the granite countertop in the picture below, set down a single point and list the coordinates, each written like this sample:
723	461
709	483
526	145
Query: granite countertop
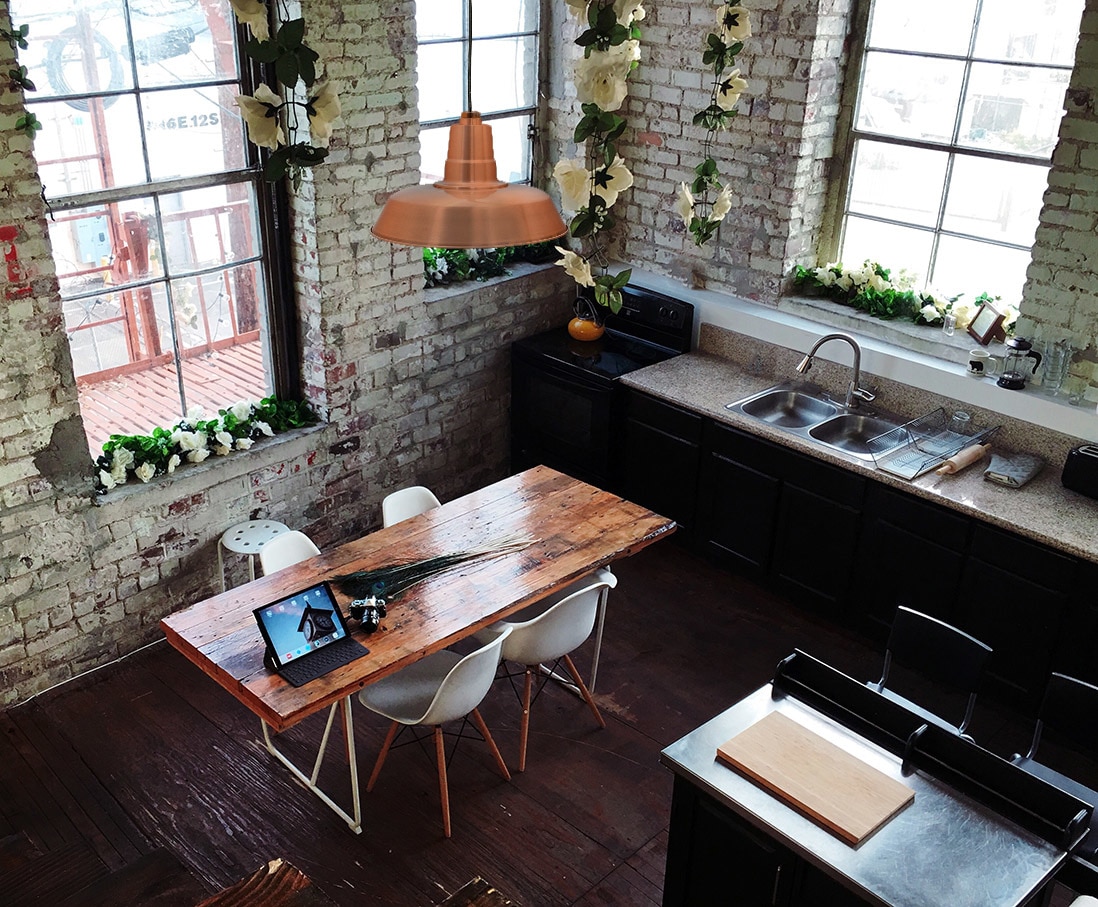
1042	509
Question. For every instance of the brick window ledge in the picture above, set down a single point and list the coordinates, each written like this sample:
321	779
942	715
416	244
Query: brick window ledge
516	271
192	478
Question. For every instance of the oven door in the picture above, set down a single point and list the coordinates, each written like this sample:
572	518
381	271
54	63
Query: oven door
563	418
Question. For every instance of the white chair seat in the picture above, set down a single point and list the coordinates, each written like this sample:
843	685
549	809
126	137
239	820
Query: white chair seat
406	696
407	503
285	550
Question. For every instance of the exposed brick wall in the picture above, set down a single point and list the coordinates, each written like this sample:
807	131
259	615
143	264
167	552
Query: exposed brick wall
414	386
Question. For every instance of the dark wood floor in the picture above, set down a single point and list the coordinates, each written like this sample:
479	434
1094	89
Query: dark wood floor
149	754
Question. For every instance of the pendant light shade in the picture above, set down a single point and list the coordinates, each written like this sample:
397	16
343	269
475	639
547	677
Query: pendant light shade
470	208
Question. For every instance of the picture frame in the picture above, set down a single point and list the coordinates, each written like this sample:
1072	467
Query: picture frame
987	324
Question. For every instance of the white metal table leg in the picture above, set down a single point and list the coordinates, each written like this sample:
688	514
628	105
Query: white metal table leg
354	821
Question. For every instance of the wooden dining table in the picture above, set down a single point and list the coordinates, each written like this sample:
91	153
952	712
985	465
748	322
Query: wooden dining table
555	529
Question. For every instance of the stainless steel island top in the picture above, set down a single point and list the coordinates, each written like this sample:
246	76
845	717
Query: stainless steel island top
943	850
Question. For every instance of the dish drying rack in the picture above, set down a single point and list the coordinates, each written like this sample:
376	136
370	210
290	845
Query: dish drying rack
922	444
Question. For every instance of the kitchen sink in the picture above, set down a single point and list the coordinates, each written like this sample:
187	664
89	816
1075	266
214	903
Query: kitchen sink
789	408
802	409
852	432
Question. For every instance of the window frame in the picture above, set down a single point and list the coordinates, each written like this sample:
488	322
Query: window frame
468	42
847	137
281	338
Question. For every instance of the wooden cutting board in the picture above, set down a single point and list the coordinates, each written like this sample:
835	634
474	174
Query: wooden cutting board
838	790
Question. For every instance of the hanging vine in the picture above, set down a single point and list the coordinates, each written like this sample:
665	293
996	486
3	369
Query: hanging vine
27	123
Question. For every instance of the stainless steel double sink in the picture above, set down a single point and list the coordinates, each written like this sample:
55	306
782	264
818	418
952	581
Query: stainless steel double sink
802	409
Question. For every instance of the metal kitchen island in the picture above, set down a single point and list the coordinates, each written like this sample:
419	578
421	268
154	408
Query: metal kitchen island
979	833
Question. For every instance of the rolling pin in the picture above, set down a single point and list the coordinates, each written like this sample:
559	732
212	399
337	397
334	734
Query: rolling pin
963	458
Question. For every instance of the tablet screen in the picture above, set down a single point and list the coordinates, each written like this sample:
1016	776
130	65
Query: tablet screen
301	623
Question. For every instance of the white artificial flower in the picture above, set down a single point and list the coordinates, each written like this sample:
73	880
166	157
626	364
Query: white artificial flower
119	476
825	276
195	414
964	313
324	109
122	458
930	313
145	471
734	23
197	456
684	205
173	462
878	283
242	410
844	281
729	91
260	113
578	8
628	11
617	178
243	443
222	450
253	13
576	266
1009	313
600	78
721	205
575	184
265	429
190	440
106	479
224	439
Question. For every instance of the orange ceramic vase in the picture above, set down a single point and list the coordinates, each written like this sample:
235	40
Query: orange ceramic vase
585	329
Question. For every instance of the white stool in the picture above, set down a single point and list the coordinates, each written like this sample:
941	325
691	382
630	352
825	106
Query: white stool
247	538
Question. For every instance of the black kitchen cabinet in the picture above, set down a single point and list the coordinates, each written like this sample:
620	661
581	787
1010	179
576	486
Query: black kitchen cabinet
739	491
660	458
716	859
1014	595
1074	654
912	553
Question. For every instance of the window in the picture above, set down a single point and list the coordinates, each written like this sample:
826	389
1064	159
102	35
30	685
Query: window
158	217
478	55
957	114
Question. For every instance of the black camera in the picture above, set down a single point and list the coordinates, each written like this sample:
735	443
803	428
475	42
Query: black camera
368	612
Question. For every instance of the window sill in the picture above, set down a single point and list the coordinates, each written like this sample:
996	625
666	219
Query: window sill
517	270
920	357
214	470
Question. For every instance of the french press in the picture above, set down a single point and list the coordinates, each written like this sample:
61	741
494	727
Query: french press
1019	363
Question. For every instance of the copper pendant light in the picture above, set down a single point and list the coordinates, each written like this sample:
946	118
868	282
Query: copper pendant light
470	208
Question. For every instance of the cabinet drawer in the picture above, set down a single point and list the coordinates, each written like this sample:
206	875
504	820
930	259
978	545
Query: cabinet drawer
919	518
747	449
827	481
1024	558
667	417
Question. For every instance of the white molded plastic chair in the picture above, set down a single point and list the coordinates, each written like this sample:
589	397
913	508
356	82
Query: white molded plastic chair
407	503
561	628
285	550
431	692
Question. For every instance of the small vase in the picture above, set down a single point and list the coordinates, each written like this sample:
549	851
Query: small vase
585	329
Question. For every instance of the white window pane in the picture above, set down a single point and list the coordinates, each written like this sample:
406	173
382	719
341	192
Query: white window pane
183	41
512	148
439	19
995	199
433	145
1013	108
504	17
75	47
946	28
205	228
970	267
1036	33
438	79
97	147
897	182
191	132
504	74
897	248
910	97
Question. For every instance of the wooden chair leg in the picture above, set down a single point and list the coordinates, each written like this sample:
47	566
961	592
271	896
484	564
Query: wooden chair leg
393	728
586	693
524	727
443	788
483	728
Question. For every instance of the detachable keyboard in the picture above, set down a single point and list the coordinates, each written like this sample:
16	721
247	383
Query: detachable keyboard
322	661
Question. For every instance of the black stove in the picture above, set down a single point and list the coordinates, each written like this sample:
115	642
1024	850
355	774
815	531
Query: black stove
566	403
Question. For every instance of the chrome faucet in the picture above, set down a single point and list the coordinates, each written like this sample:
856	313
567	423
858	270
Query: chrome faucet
854	393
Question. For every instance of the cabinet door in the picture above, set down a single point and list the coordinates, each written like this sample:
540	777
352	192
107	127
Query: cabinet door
816	545
912	553
714	859
1074	653
660	457
1014	594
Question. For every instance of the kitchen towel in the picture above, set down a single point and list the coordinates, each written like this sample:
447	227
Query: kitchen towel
1013	470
